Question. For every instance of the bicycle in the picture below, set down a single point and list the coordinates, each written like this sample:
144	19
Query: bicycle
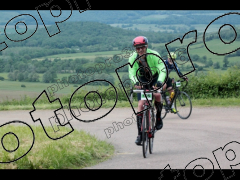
148	120
181	99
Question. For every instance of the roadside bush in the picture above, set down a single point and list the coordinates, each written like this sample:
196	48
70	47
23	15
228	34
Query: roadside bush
215	85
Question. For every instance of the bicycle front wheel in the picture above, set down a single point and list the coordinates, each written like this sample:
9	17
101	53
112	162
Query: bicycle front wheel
144	133
183	105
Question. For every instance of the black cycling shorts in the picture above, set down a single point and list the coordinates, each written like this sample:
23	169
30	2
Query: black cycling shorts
169	82
152	83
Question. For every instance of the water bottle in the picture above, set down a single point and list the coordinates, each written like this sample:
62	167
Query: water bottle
172	95
168	100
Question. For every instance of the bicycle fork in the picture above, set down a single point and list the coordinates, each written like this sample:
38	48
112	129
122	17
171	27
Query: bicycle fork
149	131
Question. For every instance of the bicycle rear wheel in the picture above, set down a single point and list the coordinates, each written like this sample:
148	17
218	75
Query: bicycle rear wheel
144	133
152	125
183	105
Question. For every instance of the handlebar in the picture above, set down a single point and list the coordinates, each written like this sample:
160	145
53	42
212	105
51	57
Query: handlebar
141	91
183	81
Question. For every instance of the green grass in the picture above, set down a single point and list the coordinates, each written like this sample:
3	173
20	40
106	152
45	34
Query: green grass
13	90
5	75
151	27
26	104
216	102
77	150
90	56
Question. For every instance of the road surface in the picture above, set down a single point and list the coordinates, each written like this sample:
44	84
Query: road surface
181	143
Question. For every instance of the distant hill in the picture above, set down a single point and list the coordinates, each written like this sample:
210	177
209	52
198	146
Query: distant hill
85	35
128	16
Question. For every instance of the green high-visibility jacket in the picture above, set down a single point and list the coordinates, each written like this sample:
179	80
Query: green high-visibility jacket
154	63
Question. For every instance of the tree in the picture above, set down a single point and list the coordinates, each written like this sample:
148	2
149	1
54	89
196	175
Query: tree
225	61
200	68
7	68
25	75
22	66
204	59
49	77
210	62
20	76
11	76
195	57
107	77
99	59
33	77
216	65
125	77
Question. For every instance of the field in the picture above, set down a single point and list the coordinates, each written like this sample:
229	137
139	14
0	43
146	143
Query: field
149	27
12	89
90	56
168	28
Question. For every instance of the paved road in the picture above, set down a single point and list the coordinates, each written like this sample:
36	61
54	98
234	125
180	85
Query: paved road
177	144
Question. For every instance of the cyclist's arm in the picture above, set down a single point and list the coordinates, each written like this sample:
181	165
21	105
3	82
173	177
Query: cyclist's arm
132	70
178	70
181	73
161	69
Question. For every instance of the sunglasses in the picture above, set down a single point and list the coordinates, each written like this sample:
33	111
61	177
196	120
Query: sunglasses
140	47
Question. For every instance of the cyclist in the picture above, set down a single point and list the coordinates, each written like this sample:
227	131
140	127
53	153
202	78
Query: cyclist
170	66
143	68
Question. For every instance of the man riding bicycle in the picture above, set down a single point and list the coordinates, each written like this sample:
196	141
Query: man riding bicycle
143	68
170	67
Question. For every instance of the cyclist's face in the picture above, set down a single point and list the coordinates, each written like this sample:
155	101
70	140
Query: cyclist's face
141	50
170	60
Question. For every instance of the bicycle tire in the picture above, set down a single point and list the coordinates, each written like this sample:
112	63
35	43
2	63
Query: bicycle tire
144	133
183	105
152	125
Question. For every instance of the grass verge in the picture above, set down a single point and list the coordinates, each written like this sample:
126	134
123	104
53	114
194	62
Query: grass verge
75	151
210	102
216	102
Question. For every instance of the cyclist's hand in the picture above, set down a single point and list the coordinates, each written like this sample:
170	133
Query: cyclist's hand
138	86
185	78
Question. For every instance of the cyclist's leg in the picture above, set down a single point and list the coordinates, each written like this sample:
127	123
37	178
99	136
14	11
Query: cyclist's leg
158	106
170	90
140	116
173	110
139	120
164	87
169	86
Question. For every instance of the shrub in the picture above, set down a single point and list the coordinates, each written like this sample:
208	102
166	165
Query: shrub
213	84
23	85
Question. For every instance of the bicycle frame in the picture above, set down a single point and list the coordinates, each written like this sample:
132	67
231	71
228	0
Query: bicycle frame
176	90
148	121
149	114
149	111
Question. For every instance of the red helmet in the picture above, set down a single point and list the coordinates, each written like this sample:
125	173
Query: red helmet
140	40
